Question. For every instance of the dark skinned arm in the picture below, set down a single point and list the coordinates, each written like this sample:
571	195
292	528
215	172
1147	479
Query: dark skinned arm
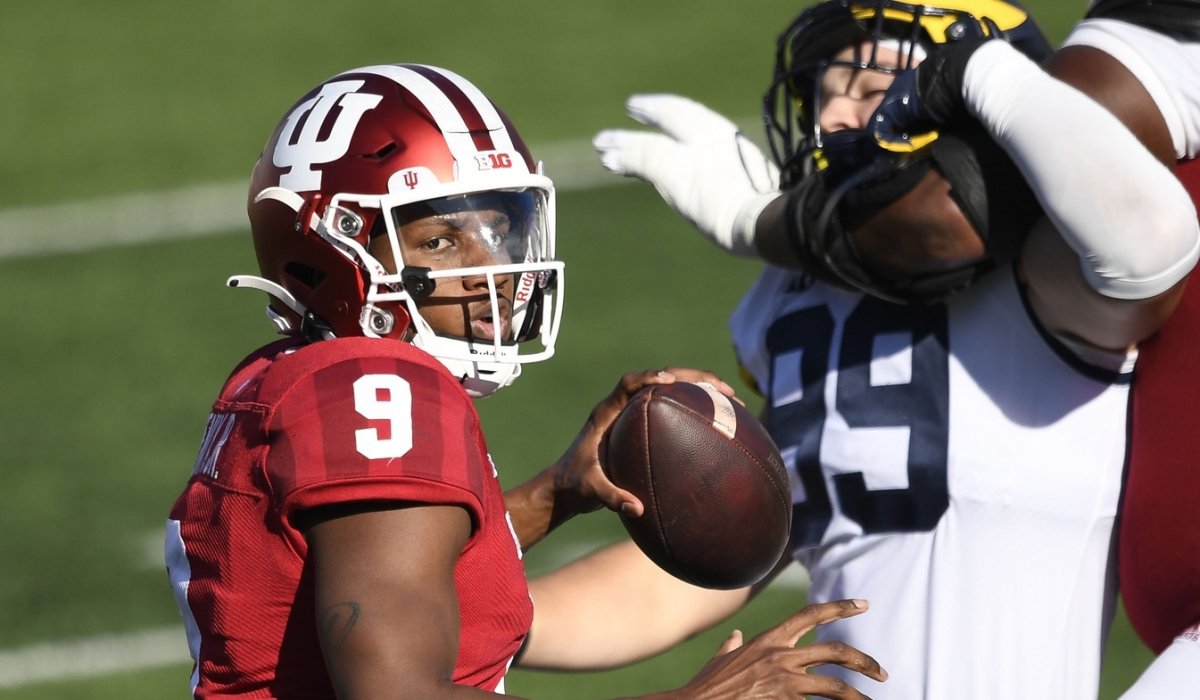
387	609
1063	300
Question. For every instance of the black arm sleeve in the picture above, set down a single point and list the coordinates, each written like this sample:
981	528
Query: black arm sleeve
984	182
989	188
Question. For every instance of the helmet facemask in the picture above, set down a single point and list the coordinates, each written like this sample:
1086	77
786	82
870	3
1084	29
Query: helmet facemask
470	278
807	49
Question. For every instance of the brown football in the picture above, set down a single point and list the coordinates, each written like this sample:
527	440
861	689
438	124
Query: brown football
718	506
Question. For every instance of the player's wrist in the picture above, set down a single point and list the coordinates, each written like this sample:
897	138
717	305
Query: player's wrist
743	231
940	80
530	507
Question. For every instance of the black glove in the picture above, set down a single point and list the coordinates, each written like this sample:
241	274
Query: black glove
919	101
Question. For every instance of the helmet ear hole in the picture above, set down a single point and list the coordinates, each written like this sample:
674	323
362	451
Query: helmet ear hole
308	276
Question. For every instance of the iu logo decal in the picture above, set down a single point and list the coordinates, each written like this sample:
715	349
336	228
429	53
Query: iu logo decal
297	153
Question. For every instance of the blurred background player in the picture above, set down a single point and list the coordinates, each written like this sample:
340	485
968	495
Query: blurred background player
942	450
1141	60
343	533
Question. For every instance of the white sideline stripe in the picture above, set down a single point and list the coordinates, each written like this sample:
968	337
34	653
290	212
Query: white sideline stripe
220	207
94	656
205	209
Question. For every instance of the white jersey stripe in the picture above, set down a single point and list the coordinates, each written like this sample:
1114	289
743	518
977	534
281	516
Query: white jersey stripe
180	572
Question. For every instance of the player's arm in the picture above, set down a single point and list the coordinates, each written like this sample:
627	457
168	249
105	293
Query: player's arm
718	180
921	232
585	611
1105	80
1124	229
1123	232
383	536
615	607
387	612
576	482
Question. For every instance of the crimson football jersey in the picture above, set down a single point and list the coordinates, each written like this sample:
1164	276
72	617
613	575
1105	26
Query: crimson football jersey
1160	517
303	425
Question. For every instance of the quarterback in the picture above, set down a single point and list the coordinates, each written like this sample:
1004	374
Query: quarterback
343	533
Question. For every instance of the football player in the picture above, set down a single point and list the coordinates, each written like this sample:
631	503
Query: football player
958	460
343	532
1141	60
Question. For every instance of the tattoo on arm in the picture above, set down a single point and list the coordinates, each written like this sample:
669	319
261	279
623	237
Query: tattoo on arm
337	622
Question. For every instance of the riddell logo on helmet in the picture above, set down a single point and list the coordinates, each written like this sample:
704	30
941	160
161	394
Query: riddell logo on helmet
525	288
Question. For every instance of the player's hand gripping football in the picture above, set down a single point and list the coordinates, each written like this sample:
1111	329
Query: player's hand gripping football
921	100
576	482
700	163
771	665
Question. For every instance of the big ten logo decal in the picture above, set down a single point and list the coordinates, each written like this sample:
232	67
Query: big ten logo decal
493	160
299	152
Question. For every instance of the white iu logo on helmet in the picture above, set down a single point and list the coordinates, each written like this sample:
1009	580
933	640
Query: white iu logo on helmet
298	155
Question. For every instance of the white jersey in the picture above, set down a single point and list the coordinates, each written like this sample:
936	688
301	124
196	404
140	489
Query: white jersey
1168	68
956	467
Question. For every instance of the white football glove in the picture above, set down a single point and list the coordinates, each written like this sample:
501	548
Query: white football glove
701	164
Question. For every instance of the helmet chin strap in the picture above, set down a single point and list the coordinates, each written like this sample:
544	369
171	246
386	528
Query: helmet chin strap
484	383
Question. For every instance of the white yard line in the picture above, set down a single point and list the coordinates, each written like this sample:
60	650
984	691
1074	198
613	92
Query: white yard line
220	207
205	209
93	656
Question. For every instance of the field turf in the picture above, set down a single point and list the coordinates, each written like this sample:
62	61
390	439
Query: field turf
110	357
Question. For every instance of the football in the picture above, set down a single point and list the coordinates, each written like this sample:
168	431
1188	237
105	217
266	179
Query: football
718	505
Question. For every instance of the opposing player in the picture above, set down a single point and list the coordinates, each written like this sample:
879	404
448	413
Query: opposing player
343	533
1141	60
939	447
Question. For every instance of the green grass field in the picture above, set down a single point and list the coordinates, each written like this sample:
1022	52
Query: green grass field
111	356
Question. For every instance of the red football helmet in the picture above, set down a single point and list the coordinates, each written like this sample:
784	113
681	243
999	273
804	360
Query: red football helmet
339	176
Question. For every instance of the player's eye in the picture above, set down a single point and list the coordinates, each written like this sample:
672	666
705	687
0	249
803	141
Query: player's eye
435	244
